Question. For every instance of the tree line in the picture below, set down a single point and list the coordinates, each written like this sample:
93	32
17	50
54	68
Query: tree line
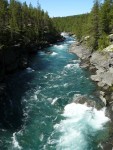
23	24
97	24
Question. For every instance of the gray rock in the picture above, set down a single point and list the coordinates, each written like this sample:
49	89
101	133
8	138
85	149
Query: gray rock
104	78
81	52
101	84
111	37
111	70
96	78
102	61
102	94
111	54
99	60
109	48
85	100
107	78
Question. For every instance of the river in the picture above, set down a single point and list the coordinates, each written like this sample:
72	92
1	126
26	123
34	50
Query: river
51	120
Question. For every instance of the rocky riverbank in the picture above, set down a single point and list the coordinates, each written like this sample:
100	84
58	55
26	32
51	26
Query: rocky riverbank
101	66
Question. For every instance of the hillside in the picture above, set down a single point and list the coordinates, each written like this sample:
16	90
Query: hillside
97	25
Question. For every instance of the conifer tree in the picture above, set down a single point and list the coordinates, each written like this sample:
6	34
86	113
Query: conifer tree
3	20
105	17
13	18
94	25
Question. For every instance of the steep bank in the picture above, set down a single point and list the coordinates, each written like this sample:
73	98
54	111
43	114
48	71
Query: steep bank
16	57
100	65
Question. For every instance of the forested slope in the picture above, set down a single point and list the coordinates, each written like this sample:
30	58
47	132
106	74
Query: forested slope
23	29
98	24
20	23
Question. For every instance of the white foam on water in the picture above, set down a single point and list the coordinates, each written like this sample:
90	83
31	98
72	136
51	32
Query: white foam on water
41	137
29	70
15	142
54	100
55	86
76	61
45	77
35	97
64	34
71	42
70	66
54	53
66	85
80	122
100	146
50	99
60	46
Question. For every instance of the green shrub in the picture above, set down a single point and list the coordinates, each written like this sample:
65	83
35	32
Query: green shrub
103	41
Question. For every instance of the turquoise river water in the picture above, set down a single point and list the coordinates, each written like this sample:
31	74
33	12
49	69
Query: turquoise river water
51	120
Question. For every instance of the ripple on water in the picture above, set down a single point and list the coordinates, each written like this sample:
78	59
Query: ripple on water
60	46
15	142
54	54
46	126
72	66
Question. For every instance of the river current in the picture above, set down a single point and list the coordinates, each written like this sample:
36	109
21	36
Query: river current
51	120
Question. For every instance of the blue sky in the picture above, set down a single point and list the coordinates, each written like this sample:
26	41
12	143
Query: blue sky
63	7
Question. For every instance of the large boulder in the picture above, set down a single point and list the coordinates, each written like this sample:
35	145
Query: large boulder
80	51
99	60
105	78
89	102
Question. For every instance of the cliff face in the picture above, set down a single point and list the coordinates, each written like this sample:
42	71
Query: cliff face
101	65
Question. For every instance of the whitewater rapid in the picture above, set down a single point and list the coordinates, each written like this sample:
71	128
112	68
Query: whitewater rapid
51	120
79	124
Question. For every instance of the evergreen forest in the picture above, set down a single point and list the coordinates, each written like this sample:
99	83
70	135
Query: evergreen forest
23	24
96	25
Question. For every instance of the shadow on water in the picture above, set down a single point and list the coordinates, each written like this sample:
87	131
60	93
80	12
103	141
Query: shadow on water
16	85
39	62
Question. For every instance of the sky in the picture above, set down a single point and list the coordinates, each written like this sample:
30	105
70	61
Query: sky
59	8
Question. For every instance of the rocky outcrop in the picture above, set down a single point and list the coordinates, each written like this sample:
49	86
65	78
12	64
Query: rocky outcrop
89	102
80	51
101	65
102	61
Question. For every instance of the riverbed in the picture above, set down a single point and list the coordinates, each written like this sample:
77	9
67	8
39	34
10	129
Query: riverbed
51	120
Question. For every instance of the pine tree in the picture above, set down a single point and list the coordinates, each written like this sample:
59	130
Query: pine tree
13	18
3	21
94	25
105	17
